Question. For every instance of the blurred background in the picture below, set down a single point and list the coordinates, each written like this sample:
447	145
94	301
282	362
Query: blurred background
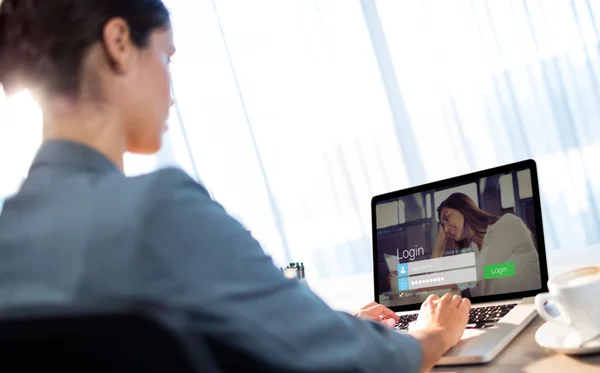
294	113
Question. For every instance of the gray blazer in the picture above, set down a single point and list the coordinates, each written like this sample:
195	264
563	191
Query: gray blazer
79	229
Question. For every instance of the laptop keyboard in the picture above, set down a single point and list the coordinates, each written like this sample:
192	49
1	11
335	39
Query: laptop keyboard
479	317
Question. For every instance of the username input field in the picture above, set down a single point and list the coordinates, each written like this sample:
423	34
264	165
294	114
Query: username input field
437	264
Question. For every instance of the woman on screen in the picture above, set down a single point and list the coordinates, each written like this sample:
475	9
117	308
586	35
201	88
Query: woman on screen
494	240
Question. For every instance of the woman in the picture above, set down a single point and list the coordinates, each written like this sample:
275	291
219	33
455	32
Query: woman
494	240
78	229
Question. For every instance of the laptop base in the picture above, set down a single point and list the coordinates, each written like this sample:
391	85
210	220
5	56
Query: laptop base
481	346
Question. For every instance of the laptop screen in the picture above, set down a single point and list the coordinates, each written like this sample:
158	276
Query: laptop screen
474	236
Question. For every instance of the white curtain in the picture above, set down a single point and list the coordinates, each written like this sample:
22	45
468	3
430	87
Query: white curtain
294	113
297	112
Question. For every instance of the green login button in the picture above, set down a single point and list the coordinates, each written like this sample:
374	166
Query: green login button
499	270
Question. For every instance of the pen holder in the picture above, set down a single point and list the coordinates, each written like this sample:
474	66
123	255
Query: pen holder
295	271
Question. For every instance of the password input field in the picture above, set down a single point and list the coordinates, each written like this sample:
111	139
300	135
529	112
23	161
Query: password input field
456	276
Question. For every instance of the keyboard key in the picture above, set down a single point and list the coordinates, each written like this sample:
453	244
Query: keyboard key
479	317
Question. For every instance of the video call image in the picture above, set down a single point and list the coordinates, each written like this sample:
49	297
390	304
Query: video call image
475	239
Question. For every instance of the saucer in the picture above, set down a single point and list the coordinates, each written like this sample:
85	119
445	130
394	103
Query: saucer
563	339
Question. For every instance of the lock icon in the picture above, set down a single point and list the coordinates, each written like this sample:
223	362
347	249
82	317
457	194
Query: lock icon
403	284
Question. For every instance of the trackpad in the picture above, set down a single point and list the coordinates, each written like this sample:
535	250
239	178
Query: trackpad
479	342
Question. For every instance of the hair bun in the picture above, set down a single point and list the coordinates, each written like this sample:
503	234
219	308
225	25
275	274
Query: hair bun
20	51
43	42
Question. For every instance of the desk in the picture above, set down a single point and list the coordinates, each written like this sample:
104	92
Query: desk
522	355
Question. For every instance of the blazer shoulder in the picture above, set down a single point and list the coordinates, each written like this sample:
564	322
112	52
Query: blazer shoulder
167	183
168	176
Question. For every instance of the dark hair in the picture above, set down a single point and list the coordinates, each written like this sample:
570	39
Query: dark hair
475	218
43	42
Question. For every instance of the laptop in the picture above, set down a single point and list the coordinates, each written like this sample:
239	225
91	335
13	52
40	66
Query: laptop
478	235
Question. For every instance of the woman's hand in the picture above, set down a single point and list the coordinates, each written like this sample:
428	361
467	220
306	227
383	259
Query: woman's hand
440	244
377	312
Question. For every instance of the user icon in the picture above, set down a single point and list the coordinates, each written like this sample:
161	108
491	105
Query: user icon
402	269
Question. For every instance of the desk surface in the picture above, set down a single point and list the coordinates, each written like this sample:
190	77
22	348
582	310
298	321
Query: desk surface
524	355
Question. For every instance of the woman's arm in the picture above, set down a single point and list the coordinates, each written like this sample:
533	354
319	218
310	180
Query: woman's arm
209	265
511	242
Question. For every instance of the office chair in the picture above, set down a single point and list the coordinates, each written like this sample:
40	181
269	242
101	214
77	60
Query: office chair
90	338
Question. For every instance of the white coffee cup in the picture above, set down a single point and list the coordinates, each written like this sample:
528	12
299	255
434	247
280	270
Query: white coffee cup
576	294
